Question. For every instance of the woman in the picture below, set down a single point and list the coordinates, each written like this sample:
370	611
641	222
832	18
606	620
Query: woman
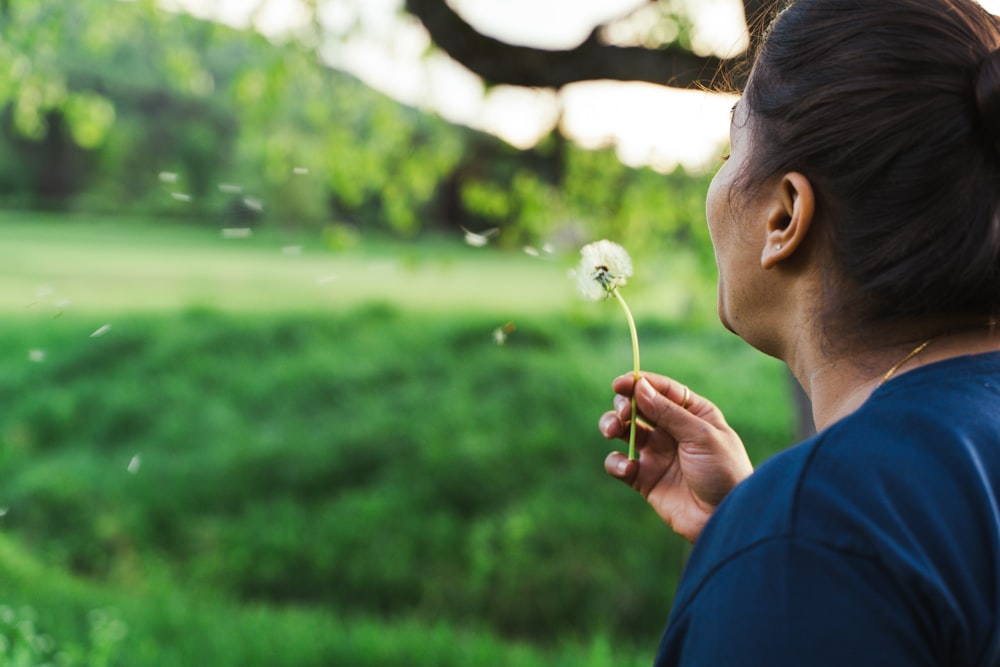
856	227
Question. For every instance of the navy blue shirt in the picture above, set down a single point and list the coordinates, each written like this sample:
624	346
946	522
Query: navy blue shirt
876	542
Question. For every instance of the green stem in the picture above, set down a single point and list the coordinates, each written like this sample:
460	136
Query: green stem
635	358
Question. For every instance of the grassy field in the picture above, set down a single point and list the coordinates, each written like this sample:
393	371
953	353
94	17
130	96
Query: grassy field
111	266
259	451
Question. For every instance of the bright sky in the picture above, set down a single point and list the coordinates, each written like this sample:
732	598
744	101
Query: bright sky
647	124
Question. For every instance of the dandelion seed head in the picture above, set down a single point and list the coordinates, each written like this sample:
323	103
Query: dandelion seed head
604	266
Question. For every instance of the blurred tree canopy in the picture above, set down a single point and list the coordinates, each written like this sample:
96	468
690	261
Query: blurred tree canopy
141	110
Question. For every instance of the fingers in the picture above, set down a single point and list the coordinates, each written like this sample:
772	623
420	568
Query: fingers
676	392
618	466
611	425
662	407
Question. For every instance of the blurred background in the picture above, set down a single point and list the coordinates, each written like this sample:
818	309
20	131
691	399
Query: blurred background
292	371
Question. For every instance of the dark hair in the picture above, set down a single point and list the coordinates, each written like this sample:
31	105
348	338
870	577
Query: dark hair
892	109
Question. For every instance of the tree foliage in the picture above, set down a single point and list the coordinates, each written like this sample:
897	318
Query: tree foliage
145	111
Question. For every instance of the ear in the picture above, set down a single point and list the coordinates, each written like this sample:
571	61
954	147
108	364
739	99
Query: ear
789	220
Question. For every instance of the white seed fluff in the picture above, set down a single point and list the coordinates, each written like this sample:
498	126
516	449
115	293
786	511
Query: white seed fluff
604	266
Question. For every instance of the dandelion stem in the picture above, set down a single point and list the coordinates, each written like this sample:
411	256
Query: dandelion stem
635	358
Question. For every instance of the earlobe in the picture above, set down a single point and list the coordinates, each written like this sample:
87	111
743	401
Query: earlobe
790	219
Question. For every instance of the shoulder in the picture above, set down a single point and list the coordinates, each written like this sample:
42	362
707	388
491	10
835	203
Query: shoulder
924	449
899	499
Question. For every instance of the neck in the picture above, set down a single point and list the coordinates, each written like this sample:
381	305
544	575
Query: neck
839	383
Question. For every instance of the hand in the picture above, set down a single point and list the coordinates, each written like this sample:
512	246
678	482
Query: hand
689	457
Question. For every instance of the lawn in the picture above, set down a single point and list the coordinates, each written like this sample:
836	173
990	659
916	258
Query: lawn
264	451
110	266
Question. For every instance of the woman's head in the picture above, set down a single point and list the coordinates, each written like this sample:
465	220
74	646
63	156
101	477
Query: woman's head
891	110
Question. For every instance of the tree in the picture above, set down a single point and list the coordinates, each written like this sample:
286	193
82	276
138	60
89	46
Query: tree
672	64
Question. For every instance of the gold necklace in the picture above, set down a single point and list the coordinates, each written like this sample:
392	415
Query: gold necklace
992	323
914	352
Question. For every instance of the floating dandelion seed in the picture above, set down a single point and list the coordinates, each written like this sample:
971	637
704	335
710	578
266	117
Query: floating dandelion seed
180	196
101	330
3	511
168	177
531	251
231	188
36	356
500	334
548	249
300	171
236	232
480	239
253	204
604	267
133	464
291	250
326	280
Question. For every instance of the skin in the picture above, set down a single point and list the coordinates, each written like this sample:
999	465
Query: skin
771	272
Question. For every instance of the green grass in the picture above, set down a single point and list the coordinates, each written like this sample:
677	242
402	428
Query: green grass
294	483
116	266
86	625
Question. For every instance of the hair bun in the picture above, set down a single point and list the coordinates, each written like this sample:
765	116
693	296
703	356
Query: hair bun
988	96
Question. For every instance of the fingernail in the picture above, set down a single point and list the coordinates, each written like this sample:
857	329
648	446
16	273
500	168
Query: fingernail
646	389
621	467
607	422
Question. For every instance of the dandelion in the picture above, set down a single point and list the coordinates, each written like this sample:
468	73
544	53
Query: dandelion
604	267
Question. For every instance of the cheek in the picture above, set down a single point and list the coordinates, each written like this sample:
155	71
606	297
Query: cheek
717	205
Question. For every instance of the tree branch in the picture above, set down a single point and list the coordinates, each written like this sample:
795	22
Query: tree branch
501	63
